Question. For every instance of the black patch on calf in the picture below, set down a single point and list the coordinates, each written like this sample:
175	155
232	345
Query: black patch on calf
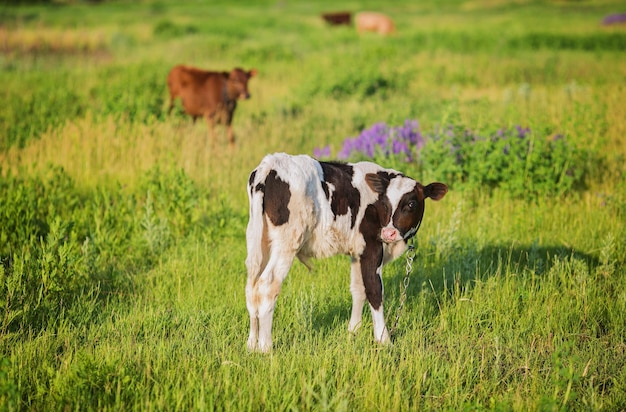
251	181
383	208
410	210
379	181
276	199
387	175
372	257
326	190
346	196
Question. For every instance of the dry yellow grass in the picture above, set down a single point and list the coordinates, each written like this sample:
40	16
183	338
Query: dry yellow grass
46	39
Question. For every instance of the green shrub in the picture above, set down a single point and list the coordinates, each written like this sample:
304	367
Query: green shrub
9	394
135	93
522	163
360	82
46	257
169	29
28	205
43	280
559	41
175	198
58	244
28	115
457	41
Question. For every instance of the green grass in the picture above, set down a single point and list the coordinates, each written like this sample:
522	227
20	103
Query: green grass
122	230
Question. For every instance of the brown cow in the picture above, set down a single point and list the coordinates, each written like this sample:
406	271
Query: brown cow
212	95
338	18
377	22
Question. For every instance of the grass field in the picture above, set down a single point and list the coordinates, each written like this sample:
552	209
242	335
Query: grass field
122	229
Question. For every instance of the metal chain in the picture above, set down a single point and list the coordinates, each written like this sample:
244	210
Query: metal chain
410	255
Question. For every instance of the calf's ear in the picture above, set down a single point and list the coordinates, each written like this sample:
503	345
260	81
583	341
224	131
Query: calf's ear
435	190
377	183
253	72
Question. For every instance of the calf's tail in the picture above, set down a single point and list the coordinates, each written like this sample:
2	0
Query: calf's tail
256	240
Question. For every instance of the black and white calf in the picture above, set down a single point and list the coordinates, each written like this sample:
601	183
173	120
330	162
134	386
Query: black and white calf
300	207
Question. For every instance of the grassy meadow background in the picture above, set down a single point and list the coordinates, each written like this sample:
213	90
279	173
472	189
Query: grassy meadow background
122	230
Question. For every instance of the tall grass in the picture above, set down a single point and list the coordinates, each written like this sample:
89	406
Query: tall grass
122	229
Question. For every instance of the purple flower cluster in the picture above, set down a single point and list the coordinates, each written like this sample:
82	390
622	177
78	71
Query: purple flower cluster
367	142
503	134
617	18
322	152
383	140
406	141
521	132
514	158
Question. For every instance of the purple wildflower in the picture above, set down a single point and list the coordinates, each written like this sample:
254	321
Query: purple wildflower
616	18
346	150
450	131
367	142
522	131
410	133
322	152
401	147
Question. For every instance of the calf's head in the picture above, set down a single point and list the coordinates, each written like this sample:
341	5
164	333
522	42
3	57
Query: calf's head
238	83
400	203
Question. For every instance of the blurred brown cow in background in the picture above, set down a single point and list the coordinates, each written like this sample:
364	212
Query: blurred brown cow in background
372	21
212	95
338	18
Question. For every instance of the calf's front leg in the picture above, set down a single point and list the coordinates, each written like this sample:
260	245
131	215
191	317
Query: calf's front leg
358	295
372	270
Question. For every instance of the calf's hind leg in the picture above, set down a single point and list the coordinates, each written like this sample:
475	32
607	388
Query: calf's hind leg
261	294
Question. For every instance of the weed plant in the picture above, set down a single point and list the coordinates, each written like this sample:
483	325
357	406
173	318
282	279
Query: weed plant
122	229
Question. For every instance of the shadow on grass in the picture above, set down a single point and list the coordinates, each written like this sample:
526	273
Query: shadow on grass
458	268
470	263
